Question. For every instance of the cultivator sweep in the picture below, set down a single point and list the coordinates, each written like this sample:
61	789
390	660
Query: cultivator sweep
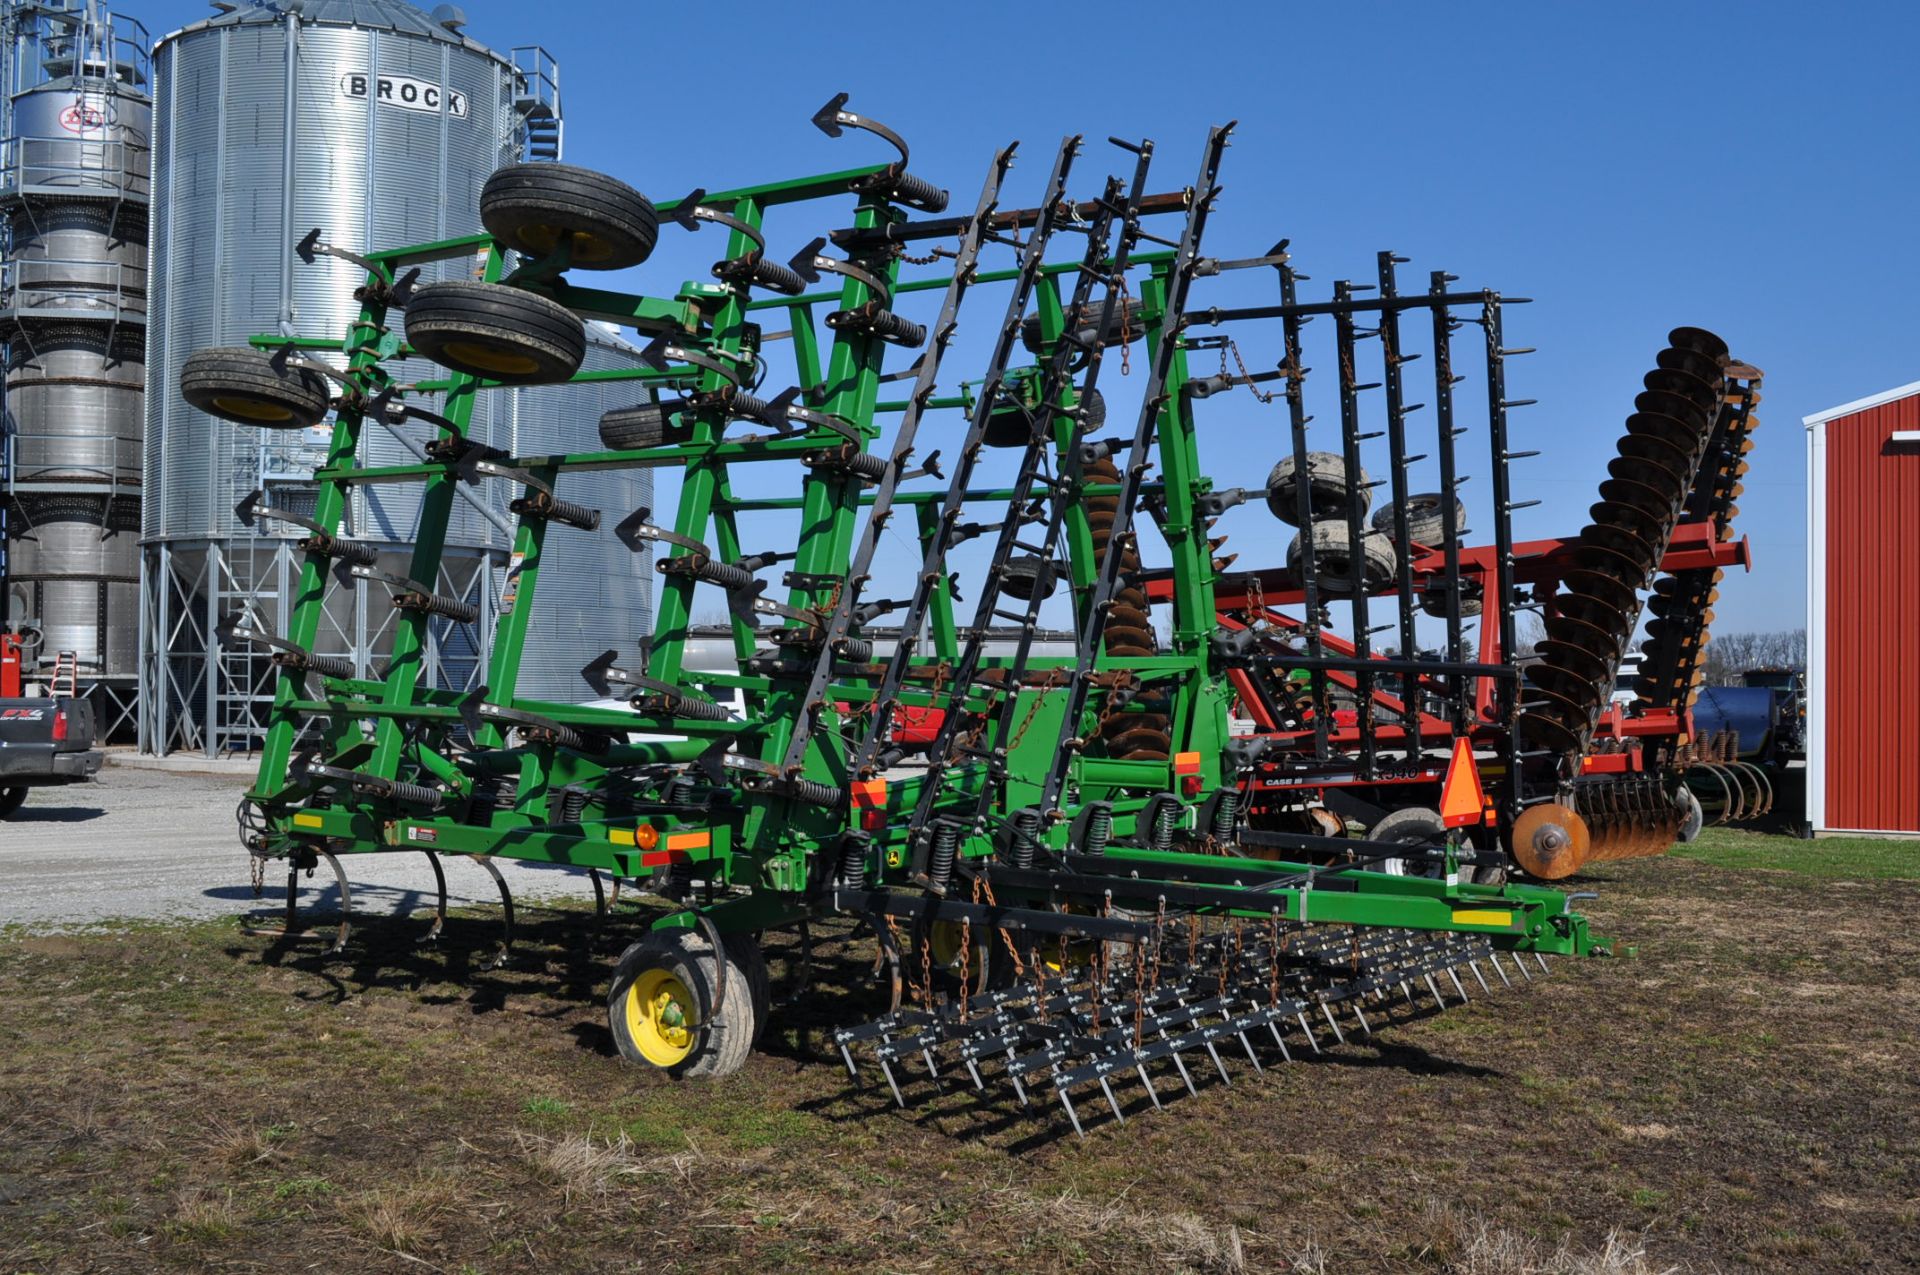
1082	875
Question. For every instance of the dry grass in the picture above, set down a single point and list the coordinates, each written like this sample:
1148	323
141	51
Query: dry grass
1745	1095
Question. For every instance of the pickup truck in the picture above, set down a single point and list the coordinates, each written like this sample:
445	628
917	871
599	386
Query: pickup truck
44	743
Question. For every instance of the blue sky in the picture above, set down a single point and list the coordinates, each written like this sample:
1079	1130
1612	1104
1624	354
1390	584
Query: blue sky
1750	168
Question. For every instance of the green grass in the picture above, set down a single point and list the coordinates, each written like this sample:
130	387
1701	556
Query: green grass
1834	858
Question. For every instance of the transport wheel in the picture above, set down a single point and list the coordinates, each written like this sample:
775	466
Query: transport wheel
1085	325
629	429
1333	557
661	1011
745	951
11	799
495	332
534	208
240	384
1435	603
1691	818
1425	525
1326	485
1414	826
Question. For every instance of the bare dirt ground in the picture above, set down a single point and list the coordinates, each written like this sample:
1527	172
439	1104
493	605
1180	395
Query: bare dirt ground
1741	1094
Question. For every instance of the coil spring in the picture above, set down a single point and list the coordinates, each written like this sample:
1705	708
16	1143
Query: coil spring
1166	821
1099	829
724	574
574	514
680	791
817	794
896	329
749	407
855	650
1025	823
573	804
852	866
328	666
941	853
348	550
905	188
415	794
487	792
565	737
697	710
1226	814
869	465
773	276
434	604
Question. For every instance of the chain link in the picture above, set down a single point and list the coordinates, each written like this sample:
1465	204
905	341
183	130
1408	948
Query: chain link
1264	396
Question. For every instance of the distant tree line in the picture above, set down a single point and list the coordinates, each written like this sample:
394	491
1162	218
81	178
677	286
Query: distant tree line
1731	654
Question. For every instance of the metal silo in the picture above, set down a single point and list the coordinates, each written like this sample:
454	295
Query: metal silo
377	123
74	163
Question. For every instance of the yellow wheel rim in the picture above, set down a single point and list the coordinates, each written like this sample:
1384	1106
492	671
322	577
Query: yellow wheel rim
943	945
491	358
544	240
254	409
660	1017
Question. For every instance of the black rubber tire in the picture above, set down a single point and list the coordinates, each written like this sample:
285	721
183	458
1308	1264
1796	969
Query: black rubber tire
1125	321
11	799
750	960
1425	524
495	332
631	429
1414	826
1333	557
240	384
1025	576
533	208
1435	603
1326	486
721	1040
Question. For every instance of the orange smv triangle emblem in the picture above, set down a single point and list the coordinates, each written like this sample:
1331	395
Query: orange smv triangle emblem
1461	801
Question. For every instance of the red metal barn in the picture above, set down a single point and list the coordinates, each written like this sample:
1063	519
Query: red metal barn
1863	615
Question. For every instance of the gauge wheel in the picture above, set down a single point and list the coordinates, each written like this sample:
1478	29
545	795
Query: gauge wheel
241	384
661	1008
496	332
535	208
632	429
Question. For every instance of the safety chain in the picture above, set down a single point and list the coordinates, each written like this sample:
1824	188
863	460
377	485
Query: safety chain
984	886
1273	966
1126	331
1264	396
1139	992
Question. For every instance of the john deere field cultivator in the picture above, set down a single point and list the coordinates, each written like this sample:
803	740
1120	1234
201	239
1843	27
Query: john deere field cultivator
1064	887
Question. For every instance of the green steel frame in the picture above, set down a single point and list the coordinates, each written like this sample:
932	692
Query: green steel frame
733	817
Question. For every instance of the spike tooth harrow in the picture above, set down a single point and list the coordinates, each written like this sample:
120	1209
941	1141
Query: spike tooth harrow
1078	819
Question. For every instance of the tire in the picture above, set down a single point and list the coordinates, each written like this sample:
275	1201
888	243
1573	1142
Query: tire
11	799
534	208
240	384
1425	525
1326	488
660	1007
1414	826
632	429
1125	322
1435	604
745	951
943	962
1690	822
1333	557
1027	576
496	332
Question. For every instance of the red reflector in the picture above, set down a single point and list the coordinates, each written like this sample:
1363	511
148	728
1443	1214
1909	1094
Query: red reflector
1190	785
661	858
60	726
870	803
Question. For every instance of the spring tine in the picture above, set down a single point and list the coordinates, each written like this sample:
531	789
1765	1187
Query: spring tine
1113	1102
853	1073
1337	1033
1148	1082
1071	1113
1279	1040
1479	977
1544	969
1438	999
1500	969
1520	964
1251	1056
974	1071
1018	1088
1302	1016
1216	1061
1456	984
888	1071
931	1069
1365	1026
1185	1077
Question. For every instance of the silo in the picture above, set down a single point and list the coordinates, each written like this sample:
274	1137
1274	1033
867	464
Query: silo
378	124
74	163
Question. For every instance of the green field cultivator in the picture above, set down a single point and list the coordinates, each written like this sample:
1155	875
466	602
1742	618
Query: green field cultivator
1061	884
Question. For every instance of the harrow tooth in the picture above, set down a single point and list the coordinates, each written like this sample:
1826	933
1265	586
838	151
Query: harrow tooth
1307	1031
1147	1080
1500	969
1072	1115
891	1084
1337	1034
1479	977
853	1072
1456	984
1113	1102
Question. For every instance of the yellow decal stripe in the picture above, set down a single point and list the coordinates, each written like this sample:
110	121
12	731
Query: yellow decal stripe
1482	918
309	821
